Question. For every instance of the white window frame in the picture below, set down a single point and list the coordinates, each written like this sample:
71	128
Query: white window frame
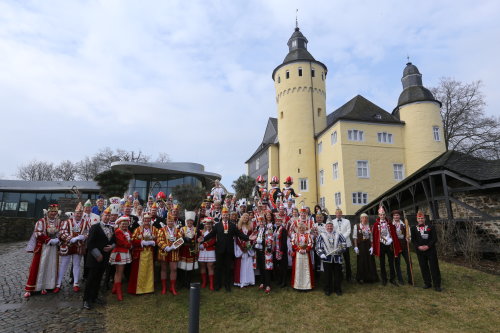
335	170
359	198
257	163
322	202
355	135
436	132
338	199
321	177
358	168
320	147
303	185
400	171
333	137
385	137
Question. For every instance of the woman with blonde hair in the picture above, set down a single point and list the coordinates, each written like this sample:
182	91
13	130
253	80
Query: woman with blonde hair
243	264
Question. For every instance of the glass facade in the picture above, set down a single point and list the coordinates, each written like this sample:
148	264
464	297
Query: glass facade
152	184
30	204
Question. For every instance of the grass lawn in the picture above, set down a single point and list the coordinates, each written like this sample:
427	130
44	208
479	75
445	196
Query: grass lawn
470	302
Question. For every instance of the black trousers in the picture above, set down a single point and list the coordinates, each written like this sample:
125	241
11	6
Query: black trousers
93	283
387	250
281	270
405	255
429	266
265	275
333	277
223	263
347	263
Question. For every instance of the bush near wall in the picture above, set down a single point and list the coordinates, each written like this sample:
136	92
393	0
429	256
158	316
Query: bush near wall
13	229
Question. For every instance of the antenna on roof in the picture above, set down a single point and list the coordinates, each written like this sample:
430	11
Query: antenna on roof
296	18
408	57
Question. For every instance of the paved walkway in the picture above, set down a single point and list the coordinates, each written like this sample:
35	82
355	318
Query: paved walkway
60	312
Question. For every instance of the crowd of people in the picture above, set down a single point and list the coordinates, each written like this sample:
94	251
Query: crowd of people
230	243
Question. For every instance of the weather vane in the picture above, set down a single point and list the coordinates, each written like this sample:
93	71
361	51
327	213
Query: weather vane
408	57
297	18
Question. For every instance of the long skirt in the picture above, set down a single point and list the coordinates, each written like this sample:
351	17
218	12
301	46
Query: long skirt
243	270
367	270
141	279
302	272
43	269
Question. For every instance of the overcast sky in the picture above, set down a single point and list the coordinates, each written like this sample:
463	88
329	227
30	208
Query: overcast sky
193	78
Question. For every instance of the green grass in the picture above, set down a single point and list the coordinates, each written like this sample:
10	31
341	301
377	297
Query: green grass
469	303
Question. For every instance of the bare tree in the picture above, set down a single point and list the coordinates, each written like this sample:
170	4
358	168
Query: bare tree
466	127
132	156
88	168
163	158
66	170
36	170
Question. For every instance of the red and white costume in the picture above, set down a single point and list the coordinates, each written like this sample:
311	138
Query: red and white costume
243	264
302	267
121	253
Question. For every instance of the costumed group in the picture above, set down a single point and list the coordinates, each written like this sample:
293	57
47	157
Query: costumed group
230	242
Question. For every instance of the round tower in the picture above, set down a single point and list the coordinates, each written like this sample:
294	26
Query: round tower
301	105
423	133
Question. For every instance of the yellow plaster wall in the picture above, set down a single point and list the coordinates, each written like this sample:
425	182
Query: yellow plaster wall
421	147
298	99
273	168
380	157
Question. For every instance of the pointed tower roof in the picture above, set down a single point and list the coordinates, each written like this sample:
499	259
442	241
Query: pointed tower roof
297	50
413	89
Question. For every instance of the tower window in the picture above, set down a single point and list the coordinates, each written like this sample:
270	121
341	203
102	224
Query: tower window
300	71
322	76
281	114
320	147
279	79
322	202
287	74
257	164
437	136
298	170
300	151
336	170
303	184
322	177
294	43
313	72
319	112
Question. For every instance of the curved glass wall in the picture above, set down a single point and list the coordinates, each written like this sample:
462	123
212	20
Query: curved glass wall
152	184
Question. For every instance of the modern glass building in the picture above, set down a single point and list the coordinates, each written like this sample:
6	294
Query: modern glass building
19	198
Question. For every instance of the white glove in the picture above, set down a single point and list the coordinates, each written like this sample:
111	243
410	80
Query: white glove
202	247
259	241
371	250
54	241
73	240
323	257
168	248
151	243
144	243
356	250
81	237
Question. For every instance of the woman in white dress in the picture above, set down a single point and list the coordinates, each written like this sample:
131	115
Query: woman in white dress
243	265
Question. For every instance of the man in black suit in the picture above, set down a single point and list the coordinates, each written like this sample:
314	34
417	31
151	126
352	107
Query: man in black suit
99	245
225	232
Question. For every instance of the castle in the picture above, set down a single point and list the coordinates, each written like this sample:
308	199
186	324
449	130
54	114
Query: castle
348	157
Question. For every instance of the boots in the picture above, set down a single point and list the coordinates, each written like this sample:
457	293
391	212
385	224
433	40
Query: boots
211	280
119	295
204	280
172	287
163	286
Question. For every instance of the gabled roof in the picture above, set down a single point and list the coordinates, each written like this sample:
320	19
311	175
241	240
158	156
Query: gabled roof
360	109
270	137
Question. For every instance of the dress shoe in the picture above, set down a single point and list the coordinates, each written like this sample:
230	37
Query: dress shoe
427	286
268	290
86	305
43	292
27	294
438	289
393	282
56	290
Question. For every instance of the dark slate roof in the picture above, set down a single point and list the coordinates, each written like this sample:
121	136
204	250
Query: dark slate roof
298	54
474	168
415	94
41	186
270	137
410	69
360	109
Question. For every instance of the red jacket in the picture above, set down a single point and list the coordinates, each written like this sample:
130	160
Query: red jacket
376	238
122	243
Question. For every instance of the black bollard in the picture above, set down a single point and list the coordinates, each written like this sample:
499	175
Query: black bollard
194	308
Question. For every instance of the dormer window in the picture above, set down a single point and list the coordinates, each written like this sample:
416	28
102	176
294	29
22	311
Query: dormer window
294	43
